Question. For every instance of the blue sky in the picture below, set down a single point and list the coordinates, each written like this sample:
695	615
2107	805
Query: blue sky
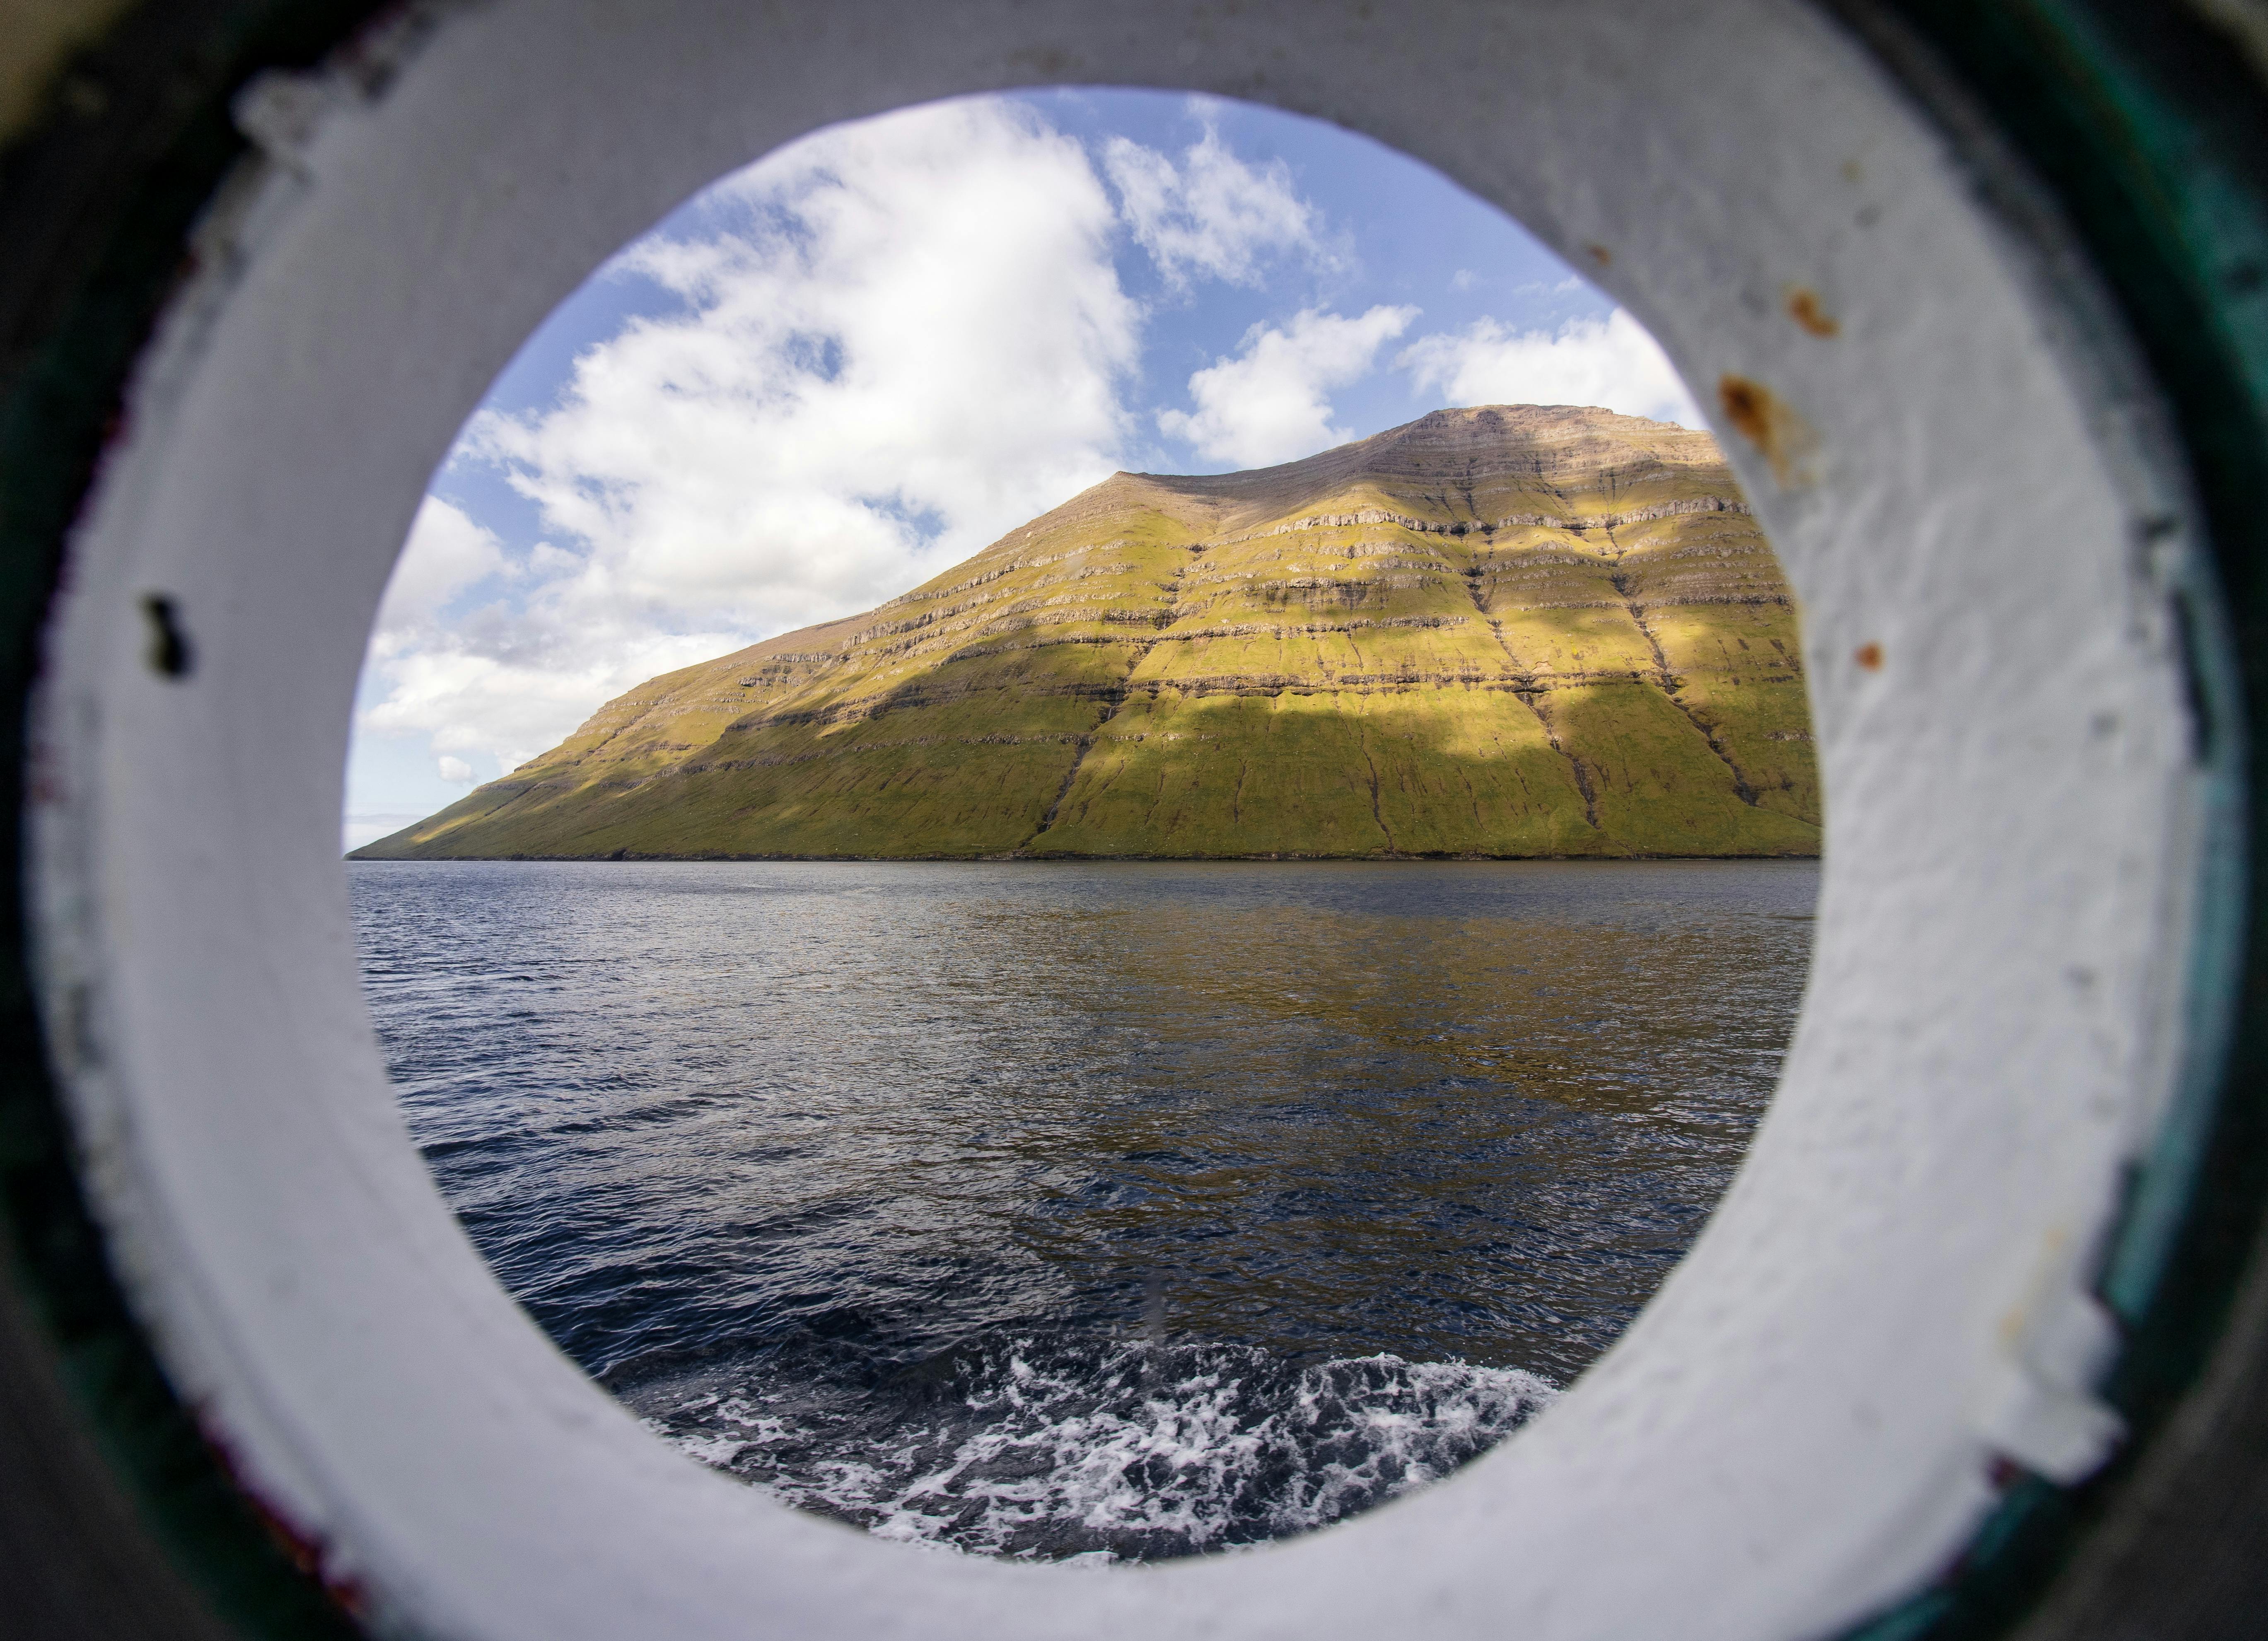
838	371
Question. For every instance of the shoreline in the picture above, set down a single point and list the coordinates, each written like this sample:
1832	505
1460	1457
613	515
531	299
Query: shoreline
628	858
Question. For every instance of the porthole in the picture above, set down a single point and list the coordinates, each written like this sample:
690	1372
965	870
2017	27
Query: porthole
1983	1148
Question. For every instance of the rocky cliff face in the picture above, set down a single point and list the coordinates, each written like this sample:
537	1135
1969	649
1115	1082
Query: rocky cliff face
1514	631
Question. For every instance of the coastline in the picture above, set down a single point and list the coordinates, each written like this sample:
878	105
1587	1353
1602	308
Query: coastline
630	858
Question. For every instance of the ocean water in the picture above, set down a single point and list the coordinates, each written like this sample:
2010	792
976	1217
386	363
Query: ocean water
1046	1210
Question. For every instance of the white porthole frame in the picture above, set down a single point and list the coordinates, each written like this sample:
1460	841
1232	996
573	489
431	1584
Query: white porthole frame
1892	1305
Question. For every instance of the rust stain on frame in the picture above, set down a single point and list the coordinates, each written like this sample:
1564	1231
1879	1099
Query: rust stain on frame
1783	437
1804	308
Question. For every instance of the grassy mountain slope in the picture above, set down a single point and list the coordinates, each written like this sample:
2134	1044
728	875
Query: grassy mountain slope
1513	630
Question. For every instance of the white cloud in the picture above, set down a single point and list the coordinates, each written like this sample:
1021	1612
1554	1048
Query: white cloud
454	770
1612	363
1212	213
904	337
446	553
510	681
1271	402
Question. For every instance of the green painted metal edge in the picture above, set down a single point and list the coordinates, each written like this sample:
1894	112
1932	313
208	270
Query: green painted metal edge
2152	135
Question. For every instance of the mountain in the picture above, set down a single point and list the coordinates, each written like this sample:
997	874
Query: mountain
1515	630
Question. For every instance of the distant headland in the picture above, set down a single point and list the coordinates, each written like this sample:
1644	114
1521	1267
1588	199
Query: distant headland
1510	632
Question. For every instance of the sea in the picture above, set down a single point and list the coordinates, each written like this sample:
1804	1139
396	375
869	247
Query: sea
1116	1211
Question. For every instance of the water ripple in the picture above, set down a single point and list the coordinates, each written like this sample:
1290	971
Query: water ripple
1059	1209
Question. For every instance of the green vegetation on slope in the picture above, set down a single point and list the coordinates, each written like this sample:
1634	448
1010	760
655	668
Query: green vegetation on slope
1510	632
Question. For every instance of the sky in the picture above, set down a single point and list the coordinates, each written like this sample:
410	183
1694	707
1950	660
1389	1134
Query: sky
835	373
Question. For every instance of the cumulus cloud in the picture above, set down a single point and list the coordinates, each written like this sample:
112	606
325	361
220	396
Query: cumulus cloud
1212	214
1271	402
446	553
888	345
509	686
454	770
1613	363
485	678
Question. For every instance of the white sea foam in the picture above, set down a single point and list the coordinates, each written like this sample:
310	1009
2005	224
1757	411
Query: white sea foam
1115	1451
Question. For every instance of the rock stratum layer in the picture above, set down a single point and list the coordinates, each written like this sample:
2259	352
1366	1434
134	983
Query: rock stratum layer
1516	631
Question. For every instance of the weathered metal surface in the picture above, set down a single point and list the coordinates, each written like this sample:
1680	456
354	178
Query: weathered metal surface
1888	1314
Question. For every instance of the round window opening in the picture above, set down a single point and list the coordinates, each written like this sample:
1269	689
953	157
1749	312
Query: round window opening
1090	1169
1900	1312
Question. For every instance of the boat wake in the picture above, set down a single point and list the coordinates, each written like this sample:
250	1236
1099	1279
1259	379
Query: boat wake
1048	1450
